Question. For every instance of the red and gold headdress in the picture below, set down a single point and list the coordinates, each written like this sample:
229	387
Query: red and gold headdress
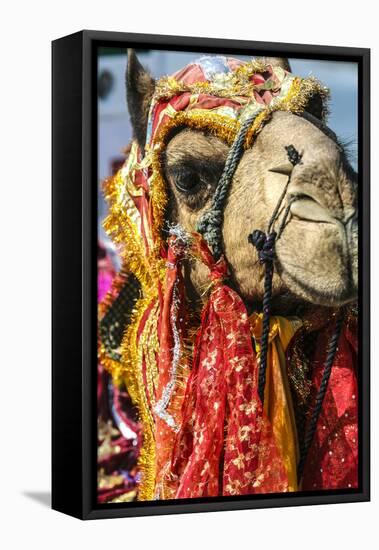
215	94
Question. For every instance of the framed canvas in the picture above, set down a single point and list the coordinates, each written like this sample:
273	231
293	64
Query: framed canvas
210	274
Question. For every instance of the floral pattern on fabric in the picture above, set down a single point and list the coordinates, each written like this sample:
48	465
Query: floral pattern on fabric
225	445
332	461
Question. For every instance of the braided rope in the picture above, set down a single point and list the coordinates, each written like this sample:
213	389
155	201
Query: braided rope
265	246
275	214
210	224
331	352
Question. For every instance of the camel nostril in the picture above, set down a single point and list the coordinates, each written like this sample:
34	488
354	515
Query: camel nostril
296	196
302	197
306	207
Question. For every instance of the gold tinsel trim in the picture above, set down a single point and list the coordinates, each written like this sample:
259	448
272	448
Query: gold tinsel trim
245	71
235	83
257	126
147	268
300	93
295	101
222	126
117	284
226	128
159	202
131	354
149	344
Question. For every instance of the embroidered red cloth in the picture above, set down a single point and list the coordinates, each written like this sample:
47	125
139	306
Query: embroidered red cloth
332	461
225	445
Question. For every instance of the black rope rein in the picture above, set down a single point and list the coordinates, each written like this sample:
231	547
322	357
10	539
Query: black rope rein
311	429
265	245
210	224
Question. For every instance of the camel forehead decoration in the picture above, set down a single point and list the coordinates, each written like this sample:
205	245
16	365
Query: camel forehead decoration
215	94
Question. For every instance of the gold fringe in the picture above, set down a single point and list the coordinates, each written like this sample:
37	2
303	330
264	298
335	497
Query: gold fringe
148	343
222	126
234	84
159	202
117	283
132	371
147	268
300	93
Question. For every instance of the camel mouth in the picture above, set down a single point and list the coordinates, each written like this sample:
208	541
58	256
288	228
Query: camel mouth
324	269
305	208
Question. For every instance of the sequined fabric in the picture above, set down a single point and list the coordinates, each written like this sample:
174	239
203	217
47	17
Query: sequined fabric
333	457
225	445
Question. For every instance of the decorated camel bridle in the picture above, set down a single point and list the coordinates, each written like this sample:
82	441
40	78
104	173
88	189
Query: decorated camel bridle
210	226
183	442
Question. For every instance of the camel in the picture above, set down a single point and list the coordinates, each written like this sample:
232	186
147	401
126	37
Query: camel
317	255
296	173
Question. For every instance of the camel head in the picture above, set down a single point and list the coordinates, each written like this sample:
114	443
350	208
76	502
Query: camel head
317	253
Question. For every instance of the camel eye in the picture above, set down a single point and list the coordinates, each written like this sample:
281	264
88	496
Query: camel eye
188	181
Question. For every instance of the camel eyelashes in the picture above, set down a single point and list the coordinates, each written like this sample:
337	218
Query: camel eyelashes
194	176
188	181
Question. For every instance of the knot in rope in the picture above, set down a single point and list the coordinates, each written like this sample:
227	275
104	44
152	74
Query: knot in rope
293	155
264	245
210	226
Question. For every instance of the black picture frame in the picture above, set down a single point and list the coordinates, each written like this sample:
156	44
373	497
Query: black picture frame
74	315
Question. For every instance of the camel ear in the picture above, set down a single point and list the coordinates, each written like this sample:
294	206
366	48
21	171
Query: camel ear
278	62
139	92
315	106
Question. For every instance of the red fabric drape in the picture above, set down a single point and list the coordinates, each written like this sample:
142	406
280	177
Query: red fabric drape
332	461
225	444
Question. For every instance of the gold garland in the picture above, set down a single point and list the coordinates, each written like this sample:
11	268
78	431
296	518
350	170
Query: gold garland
235	83
131	353
221	126
159	202
300	93
295	101
150	346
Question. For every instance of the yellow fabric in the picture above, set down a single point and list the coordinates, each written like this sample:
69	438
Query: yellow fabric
278	401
